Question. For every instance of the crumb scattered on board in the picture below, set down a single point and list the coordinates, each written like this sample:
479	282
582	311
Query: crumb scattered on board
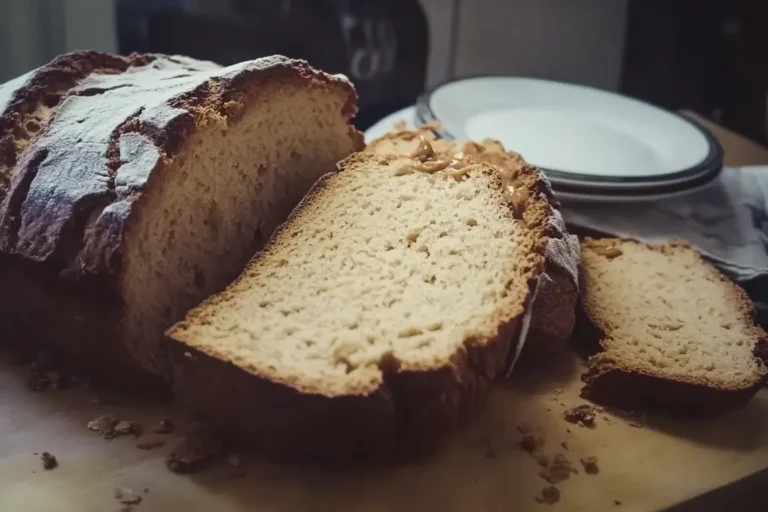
558	470
127	497
110	427
49	461
583	415
549	495
590	465
197	448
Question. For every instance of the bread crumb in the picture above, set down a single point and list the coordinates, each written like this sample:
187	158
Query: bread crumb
616	502
564	445
549	495
124	428
127	496
49	461
199	446
558	471
104	425
583	415
590	465
164	427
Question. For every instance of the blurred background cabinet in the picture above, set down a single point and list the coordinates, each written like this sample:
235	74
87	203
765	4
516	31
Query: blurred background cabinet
703	55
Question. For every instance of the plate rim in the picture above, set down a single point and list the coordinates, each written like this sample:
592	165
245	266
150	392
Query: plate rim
710	166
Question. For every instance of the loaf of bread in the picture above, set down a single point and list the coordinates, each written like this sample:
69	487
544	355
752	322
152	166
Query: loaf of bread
133	187
672	331
553	311
378	316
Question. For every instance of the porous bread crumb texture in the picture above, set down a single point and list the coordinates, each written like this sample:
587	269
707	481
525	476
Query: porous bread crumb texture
219	202
376	271
662	311
553	310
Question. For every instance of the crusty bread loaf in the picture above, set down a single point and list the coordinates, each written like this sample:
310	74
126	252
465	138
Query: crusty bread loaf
672	330
553	310
133	187
377	316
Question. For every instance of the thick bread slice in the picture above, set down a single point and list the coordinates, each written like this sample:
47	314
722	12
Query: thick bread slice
133	187
553	310
672	330
377	316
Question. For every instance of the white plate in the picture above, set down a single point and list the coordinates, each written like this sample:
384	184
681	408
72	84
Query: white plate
582	137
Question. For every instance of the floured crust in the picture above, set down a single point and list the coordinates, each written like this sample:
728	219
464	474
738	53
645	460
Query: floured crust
553	311
404	410
611	380
73	185
81	141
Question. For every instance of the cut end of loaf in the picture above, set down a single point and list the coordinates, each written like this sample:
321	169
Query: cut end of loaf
672	330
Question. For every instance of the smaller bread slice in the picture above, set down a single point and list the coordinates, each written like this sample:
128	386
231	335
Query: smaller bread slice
672	330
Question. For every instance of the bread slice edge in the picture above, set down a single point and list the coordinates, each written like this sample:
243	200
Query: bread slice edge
609	381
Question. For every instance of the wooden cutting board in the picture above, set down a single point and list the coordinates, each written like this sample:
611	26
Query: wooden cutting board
482	468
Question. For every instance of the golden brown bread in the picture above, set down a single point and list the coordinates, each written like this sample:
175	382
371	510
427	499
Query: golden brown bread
672	331
377	317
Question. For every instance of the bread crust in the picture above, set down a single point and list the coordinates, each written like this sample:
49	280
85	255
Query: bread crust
406	413
610	382
63	229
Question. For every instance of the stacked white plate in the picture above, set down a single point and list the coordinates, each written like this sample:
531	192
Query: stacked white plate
593	145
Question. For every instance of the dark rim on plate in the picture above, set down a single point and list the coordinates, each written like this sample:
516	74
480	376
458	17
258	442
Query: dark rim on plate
698	174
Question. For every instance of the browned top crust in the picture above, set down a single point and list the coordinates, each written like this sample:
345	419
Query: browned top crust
81	137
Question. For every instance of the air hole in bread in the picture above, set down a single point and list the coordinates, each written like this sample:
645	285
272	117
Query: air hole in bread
409	332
